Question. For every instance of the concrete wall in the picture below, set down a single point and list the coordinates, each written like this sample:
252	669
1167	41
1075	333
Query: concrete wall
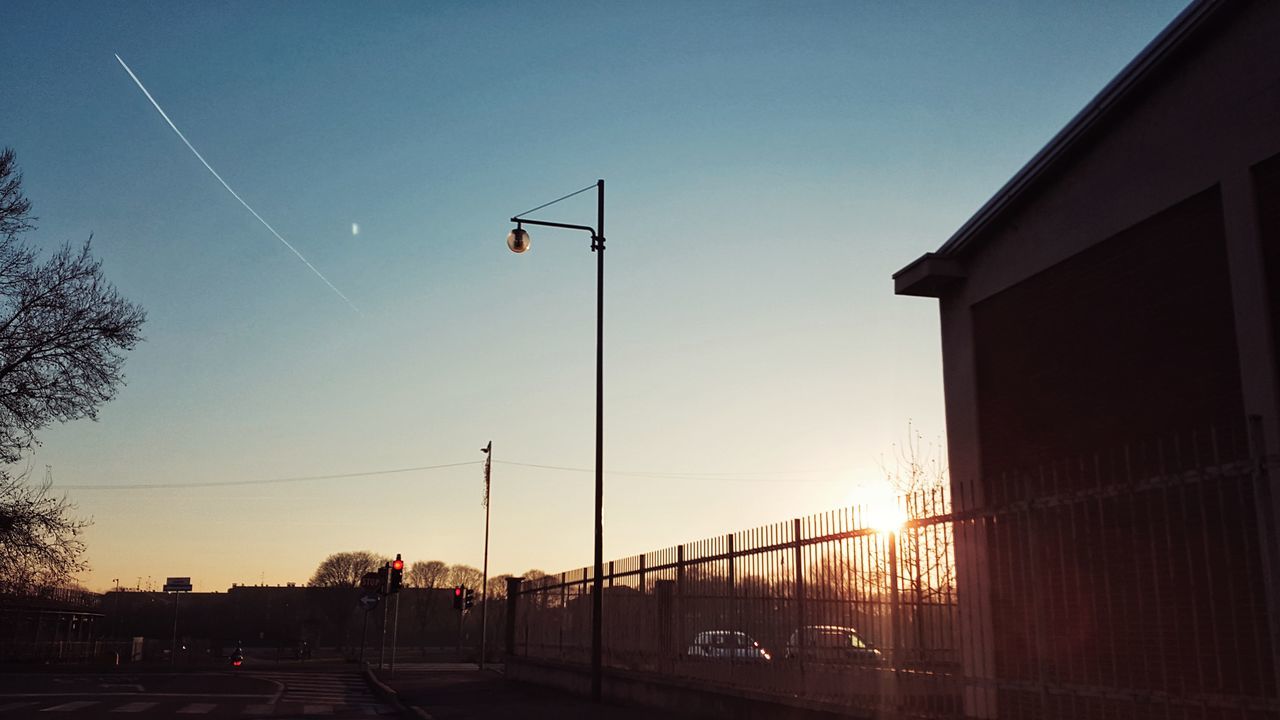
672	697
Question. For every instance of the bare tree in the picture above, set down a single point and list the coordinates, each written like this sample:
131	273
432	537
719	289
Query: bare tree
426	574
39	539
64	331
15	208
344	569
926	552
465	575
497	589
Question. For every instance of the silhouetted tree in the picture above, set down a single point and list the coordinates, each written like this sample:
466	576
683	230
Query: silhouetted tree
64	331
426	574
465	575
344	569
926	553
497	588
39	539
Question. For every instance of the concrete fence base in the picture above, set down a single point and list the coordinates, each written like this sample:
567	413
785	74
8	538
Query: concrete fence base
672	695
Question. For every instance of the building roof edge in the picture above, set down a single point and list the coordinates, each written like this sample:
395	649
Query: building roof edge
1096	112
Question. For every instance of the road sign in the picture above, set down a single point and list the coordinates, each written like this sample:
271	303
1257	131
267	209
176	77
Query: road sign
372	581
177	584
370	601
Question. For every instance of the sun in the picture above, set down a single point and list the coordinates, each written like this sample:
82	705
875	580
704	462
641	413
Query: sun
884	515
878	507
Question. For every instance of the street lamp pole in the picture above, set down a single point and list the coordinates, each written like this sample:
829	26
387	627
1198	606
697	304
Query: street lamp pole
518	241
484	583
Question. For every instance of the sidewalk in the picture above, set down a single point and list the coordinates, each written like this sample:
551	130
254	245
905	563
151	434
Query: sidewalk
460	691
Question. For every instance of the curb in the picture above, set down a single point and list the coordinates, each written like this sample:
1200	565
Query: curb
390	694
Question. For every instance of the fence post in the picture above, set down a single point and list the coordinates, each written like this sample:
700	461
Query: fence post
799	561
680	611
513	607
663	591
895	624
733	598
1262	502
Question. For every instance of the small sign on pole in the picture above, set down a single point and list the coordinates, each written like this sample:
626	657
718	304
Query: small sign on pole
177	584
374	582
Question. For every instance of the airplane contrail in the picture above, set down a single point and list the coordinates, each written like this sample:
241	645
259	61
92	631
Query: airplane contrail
234	194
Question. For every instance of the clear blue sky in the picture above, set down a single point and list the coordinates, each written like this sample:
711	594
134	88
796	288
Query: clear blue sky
768	167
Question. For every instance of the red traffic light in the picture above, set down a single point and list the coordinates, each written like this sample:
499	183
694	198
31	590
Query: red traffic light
398	564
457	591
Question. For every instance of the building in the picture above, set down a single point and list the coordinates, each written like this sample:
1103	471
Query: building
1110	322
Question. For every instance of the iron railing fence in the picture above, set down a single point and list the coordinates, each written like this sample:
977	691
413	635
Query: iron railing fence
1136	584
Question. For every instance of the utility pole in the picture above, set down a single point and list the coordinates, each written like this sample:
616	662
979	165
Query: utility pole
115	624
484	584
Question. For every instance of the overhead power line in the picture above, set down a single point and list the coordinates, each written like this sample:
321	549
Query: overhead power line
775	476
267	481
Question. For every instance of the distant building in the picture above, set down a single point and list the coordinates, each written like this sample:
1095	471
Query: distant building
1110	322
49	624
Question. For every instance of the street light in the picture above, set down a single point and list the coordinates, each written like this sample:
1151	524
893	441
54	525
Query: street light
518	241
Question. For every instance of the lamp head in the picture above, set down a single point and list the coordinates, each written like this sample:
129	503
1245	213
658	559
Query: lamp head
518	240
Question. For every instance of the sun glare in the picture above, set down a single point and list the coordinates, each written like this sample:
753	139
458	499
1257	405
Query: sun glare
884	515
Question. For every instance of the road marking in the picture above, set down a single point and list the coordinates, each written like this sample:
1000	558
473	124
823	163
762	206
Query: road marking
135	707
106	686
197	708
442	667
68	707
317	709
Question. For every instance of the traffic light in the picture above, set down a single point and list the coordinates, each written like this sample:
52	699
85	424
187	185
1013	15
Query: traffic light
457	597
397	575
470	598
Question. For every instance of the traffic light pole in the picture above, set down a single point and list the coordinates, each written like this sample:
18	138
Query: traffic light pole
395	629
382	647
461	614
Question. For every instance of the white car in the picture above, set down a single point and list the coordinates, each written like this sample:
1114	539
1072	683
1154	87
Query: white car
831	643
727	644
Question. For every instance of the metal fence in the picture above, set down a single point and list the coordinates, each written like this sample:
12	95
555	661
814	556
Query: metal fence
1131	584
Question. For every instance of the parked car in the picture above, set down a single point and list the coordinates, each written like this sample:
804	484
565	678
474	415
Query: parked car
727	644
830	643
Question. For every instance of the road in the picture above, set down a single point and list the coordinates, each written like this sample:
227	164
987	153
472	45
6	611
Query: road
459	691
286	691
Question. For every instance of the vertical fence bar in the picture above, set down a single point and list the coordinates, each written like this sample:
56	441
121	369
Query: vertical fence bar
681	606
800	599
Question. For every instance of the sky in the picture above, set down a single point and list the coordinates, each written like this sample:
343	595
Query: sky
768	167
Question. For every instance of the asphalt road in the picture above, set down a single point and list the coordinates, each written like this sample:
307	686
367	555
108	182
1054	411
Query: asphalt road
275	691
459	691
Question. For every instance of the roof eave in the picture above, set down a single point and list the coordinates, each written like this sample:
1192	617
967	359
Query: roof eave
1083	124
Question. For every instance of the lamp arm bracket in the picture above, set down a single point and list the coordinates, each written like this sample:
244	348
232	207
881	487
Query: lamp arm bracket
544	223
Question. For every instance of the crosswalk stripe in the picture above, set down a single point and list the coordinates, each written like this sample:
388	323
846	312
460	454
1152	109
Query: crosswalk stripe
197	708
68	707
134	707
